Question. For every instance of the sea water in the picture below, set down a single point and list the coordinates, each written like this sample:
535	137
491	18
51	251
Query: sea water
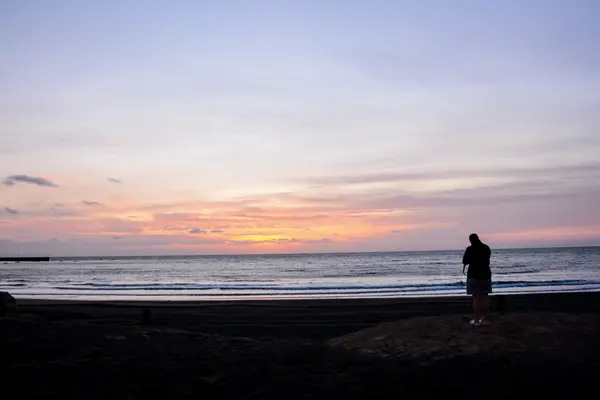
347	275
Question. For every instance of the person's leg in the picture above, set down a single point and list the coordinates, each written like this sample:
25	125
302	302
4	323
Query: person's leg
485	307
477	307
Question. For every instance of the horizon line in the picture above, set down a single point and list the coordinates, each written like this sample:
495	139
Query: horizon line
301	253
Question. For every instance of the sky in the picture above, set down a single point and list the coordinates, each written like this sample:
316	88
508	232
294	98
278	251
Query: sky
203	127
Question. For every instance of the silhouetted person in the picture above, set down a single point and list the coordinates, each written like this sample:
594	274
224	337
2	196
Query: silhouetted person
479	277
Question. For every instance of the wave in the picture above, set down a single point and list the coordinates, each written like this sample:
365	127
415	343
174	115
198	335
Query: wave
356	274
512	272
254	287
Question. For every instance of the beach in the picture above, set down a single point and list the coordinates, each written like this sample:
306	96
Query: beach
539	344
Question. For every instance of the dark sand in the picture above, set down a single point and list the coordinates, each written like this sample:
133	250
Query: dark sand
540	345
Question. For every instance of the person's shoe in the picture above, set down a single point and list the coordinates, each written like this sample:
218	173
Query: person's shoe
484	322
474	322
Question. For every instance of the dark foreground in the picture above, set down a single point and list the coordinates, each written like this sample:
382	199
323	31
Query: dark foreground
90	352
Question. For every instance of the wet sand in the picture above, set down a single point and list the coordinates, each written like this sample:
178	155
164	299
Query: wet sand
539	345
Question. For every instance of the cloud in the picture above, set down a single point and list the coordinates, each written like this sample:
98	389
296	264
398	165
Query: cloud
519	192
590	169
11	210
109	245
60	211
279	241
114	180
172	228
91	203
422	226
14	179
389	218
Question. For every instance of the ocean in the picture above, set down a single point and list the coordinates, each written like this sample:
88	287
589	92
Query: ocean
297	276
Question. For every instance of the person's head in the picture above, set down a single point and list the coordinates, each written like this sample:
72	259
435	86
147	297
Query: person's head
474	238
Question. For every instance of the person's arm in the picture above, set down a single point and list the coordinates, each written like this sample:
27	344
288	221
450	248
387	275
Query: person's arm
465	260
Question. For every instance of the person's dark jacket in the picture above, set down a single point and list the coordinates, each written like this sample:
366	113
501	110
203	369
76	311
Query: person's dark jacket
477	257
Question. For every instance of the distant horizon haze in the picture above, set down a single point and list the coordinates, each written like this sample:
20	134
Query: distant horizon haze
175	255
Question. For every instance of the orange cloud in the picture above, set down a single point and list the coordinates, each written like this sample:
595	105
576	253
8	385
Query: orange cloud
276	223
267	223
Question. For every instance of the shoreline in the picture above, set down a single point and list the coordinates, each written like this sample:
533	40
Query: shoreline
328	297
518	296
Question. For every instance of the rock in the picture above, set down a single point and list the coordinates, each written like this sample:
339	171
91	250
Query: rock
8	304
425	339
